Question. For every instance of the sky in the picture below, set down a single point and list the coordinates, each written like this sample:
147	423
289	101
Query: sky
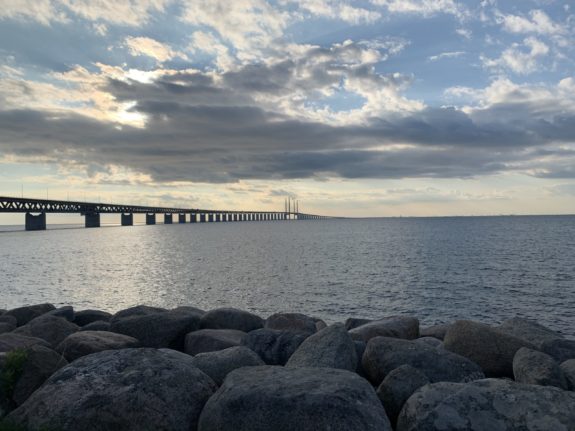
355	108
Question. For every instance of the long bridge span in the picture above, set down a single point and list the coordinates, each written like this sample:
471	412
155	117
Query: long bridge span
36	210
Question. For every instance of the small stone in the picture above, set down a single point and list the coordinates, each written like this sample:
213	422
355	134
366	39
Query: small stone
25	314
84	343
396	326
85	317
537	368
231	318
220	363
50	328
274	347
210	340
296	322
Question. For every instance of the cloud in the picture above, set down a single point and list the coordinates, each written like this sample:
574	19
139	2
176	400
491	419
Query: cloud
452	54
521	59
337	10
151	48
425	8
538	22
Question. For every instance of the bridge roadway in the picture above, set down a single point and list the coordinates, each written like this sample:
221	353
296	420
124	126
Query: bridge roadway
36	210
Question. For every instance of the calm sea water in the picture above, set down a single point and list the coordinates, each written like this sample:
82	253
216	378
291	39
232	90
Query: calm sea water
439	269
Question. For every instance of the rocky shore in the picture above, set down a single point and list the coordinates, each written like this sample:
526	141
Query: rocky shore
147	368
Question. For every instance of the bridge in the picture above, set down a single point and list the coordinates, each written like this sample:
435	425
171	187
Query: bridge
36	210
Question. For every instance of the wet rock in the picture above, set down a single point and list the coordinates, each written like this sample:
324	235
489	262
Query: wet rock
25	314
331	347
6	327
397	387
560	349
66	312
568	368
492	349
164	329
430	341
435	331
490	404
188	309
50	328
85	317
384	354
210	340
296	322
220	363
41	362
87	342
286	399
129	390
231	318
529	331
537	368
355	322
395	326
11	341
98	325
138	310
9	319
274	347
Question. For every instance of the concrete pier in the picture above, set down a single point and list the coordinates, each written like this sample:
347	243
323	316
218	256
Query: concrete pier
211	218
202	218
127	219
168	219
92	219
193	218
181	218
36	222
218	218
151	218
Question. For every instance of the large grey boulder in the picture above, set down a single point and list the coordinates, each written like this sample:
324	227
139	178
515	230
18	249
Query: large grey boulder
286	399
395	326
384	354
66	312
274	347
560	349
41	362
98	325
6	327
296	322
138	310
436	331
231	318
50	328
11	341
164	329
85	317
24	314
210	340
492	349
430	341
397	387
11	320
331	347
537	368
87	342
354	322
129	389
490	404
220	363
529	331
568	368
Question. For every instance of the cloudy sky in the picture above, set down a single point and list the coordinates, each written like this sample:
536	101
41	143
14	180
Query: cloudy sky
358	108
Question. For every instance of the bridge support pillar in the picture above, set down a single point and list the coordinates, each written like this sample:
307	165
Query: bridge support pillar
193	218
127	219
218	218
151	218
92	219
36	222
168	219
202	218
181	218
211	218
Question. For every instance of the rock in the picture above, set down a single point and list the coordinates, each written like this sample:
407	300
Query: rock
395	326
6	327
490	404
66	312
285	399
430	341
355	322
529	331
296	322
98	325
360	347
397	387
24	314
50	328
188	309
568	368
85	317
537	368
231	318
165	329
210	340
9	319
11	341
435	331
319	324
220	363
84	343
41	363
331	347
560	349
138	310
274	347
384	354
129	390
493	350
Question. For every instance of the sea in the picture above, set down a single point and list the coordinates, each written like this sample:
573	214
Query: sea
440	269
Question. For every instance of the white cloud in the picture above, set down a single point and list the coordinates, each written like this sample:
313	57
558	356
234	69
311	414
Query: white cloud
464	32
124	12
42	11
520	59
452	54
336	9
423	7
207	42
538	22
151	48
